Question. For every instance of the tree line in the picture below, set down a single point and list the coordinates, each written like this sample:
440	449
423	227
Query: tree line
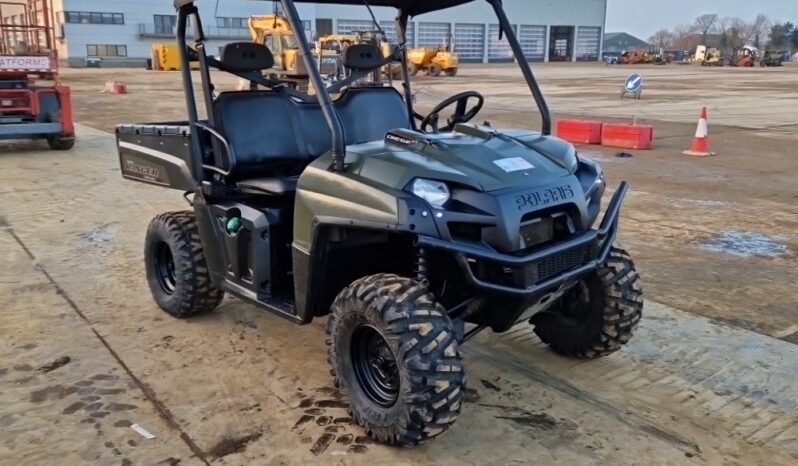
728	32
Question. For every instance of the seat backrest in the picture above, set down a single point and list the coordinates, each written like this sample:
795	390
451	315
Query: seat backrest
267	128
257	126
368	113
362	57
246	57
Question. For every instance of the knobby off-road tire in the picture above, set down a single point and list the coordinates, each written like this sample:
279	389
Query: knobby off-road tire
413	69
428	365
183	287
610	318
434	70
451	72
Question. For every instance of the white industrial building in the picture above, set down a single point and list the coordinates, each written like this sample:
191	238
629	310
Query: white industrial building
121	32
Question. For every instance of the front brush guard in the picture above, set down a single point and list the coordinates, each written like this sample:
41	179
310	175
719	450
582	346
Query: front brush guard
603	238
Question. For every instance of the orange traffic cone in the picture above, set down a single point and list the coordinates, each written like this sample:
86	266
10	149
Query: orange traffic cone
700	146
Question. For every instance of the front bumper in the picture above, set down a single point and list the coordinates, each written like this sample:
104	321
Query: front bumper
597	242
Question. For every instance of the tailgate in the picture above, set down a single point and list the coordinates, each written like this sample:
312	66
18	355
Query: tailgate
156	153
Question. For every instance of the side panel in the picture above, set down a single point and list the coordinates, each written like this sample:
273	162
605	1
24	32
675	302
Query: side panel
347	210
155	155
322	193
253	262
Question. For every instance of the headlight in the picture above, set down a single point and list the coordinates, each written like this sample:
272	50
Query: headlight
591	177
435	193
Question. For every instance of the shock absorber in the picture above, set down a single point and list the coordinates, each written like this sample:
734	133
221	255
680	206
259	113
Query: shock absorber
422	267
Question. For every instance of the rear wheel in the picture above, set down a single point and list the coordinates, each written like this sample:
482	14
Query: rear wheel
175	264
451	72
393	353
598	315
434	70
61	142
413	69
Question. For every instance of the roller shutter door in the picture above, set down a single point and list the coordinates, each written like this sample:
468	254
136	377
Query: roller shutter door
498	50
390	30
432	34
588	41
348	26
469	42
533	42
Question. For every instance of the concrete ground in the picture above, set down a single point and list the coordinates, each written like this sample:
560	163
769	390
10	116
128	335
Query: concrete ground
714	239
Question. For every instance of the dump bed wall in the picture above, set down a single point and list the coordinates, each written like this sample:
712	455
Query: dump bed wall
156	153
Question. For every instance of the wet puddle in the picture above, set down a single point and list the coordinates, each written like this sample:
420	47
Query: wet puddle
747	244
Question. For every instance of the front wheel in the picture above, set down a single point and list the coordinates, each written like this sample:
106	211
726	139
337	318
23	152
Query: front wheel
598	315
451	72
434	70
394	354
413	69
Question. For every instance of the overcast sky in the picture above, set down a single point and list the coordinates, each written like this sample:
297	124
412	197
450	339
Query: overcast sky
642	18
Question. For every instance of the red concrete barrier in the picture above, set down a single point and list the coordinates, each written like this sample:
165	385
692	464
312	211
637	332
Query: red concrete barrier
626	136
580	131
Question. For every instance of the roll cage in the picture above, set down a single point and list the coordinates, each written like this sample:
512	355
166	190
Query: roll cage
187	13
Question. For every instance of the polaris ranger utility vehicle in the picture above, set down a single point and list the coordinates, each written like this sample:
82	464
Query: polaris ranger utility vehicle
410	233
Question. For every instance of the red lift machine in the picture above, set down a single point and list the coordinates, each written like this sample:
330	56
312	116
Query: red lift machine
33	103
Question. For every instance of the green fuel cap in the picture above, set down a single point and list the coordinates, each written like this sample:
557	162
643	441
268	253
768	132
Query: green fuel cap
233	225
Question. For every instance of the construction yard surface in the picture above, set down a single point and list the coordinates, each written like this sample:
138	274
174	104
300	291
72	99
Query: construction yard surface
711	377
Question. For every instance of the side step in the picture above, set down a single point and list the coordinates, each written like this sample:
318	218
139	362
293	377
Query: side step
281	306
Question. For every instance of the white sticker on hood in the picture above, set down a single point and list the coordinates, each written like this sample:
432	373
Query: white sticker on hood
514	164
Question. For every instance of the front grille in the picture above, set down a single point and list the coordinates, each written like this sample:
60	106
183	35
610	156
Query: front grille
558	263
537	232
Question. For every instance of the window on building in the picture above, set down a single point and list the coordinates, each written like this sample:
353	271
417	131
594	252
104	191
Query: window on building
165	24
84	17
232	23
93	50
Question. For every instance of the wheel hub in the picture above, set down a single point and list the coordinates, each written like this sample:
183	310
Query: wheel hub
165	268
576	303
375	366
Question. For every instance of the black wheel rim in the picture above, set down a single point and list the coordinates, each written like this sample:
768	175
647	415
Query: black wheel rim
165	268
576	305
375	366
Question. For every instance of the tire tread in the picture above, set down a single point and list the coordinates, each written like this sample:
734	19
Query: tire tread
196	294
427	345
621	313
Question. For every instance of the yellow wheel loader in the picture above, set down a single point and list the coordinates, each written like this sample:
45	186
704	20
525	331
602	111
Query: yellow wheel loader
434	60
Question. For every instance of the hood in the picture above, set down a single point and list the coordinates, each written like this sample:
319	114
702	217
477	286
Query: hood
478	157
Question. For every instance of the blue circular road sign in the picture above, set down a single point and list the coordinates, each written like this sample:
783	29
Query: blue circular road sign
634	83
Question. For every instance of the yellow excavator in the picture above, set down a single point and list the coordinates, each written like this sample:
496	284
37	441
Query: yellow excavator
275	32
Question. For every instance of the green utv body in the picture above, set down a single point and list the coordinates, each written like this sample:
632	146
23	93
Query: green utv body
411	237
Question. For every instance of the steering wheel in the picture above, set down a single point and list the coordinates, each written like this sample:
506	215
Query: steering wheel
461	113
